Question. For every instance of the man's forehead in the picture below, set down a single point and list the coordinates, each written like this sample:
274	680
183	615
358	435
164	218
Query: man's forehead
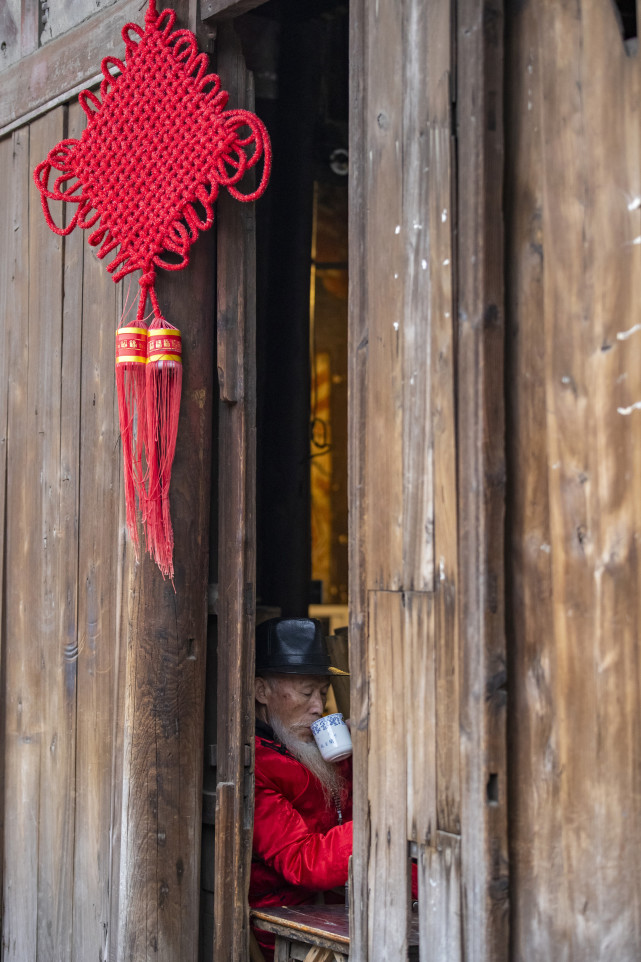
301	681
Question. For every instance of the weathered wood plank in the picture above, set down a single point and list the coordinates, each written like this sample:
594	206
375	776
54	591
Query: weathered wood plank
163	748
388	237
534	746
165	669
61	18
419	694
439	900
236	533
440	221
10	33
69	534
357	440
64	63
388	906
481	473
21	722
7	241
99	649
419	277
224	864
52	565
226	9
615	467
47	891
576	668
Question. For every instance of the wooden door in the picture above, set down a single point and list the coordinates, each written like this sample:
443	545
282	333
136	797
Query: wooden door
427	650
102	667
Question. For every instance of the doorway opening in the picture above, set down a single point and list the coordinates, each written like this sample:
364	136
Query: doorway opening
301	79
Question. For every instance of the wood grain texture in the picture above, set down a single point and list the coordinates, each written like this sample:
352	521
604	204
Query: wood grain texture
440	223
54	560
227	9
22	689
64	63
388	907
236	535
481	473
387	236
8	244
358	336
439	901
91	292
403	457
159	864
42	485
574	291
68	868
419	695
163	747
425	269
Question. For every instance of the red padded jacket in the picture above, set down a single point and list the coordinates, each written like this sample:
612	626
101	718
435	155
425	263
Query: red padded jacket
300	847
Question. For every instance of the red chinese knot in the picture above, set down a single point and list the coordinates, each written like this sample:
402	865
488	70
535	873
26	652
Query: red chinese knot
144	176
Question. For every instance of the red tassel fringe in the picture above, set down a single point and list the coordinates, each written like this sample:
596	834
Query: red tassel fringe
131	361
164	386
149	385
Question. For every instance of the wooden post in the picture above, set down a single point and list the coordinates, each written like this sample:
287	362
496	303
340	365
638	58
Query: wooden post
166	645
237	544
427	476
481	478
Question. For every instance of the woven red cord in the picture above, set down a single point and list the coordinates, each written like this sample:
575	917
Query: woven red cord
145	174
159	142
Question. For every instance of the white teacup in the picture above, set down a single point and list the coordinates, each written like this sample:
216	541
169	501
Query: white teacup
332	737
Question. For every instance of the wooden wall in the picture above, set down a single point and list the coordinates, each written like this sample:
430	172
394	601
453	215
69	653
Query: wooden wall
427	479
573	219
61	611
101	661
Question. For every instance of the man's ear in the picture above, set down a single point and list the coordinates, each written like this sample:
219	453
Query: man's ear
260	689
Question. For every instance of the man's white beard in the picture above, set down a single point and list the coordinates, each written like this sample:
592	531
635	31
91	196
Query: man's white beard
309	755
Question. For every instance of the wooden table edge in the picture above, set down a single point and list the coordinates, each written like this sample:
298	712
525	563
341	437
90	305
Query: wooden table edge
280	926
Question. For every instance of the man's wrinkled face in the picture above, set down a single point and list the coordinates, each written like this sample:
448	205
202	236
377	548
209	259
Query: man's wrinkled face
294	700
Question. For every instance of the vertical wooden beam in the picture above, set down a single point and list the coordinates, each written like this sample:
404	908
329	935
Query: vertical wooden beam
90	294
20	776
166	646
481	473
8	242
439	872
237	543
388	879
163	749
574	441
358	337
403	487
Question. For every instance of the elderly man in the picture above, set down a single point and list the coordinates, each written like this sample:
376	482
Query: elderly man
303	804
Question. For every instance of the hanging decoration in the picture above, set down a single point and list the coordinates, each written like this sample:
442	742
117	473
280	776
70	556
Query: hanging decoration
144	176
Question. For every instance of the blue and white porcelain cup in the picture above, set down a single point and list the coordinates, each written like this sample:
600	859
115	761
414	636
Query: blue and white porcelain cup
332	736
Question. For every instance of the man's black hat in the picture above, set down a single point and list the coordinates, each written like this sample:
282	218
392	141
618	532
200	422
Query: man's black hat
292	646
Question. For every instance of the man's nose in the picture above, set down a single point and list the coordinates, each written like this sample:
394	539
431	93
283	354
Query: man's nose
316	705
